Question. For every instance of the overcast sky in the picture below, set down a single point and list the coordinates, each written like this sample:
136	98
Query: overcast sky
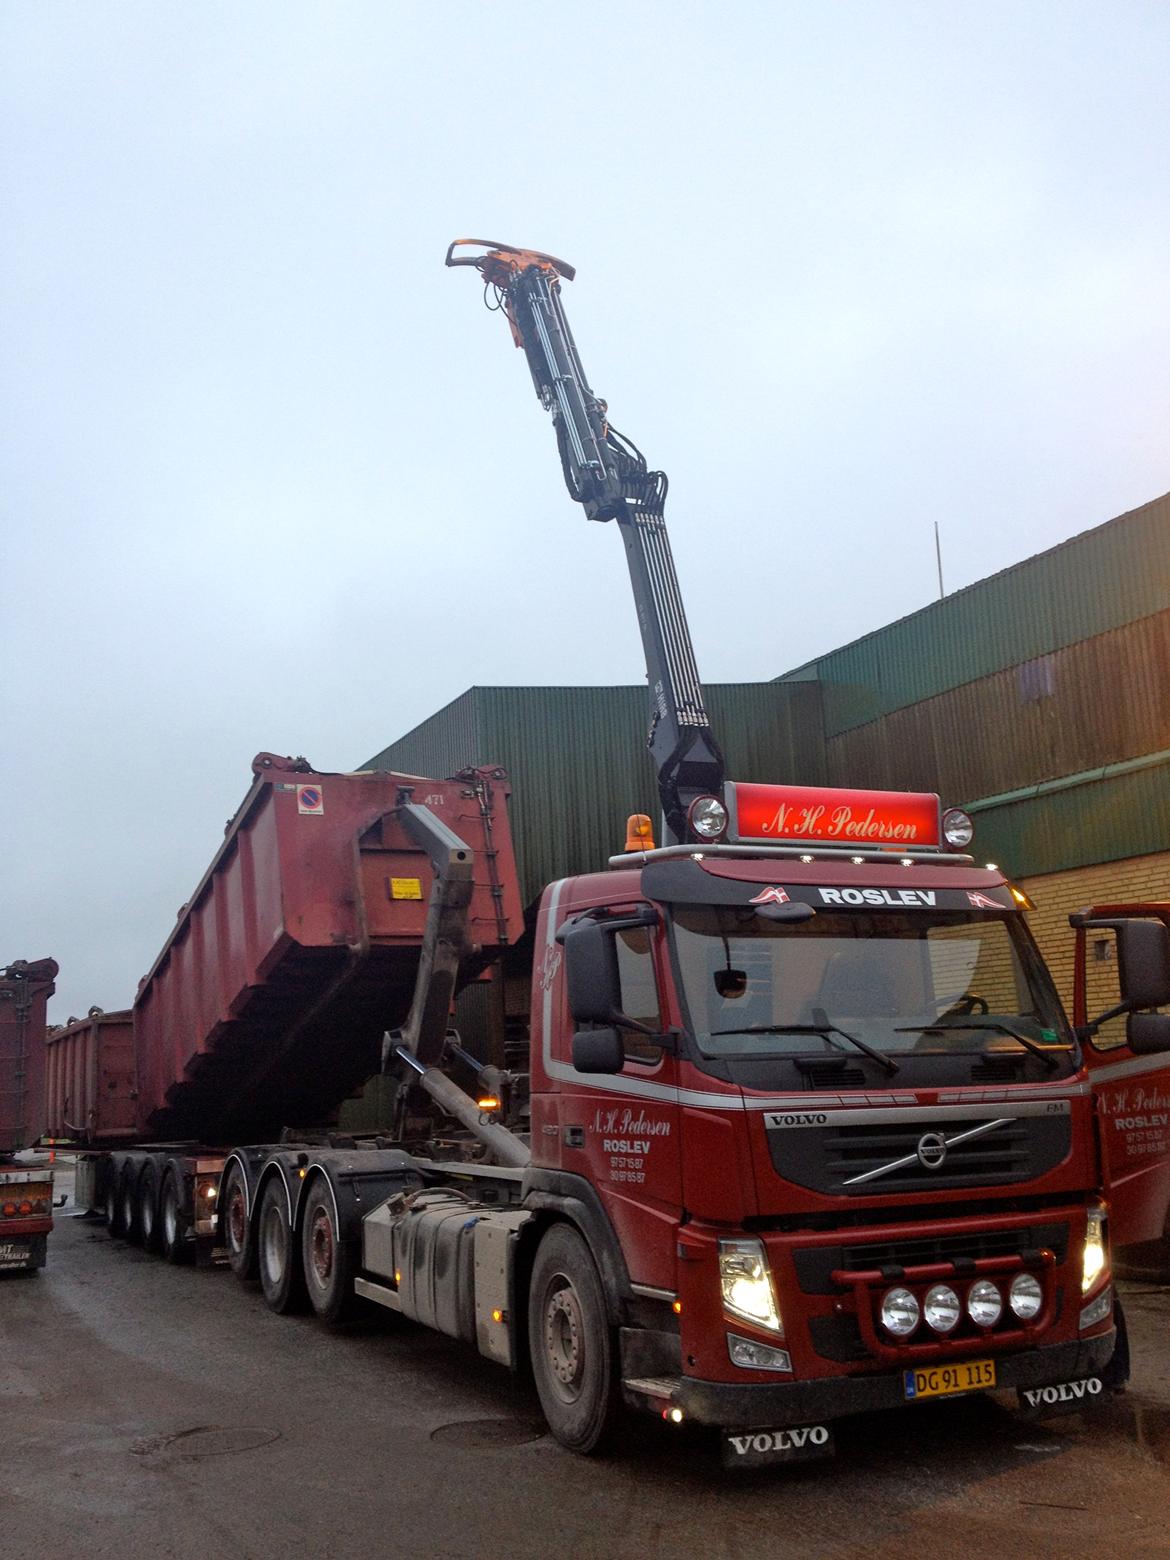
272	478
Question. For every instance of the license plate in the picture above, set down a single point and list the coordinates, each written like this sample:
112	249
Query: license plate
945	1380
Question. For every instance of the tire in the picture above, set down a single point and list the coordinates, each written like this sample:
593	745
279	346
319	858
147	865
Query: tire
128	1197
571	1343
114	1226
148	1212
281	1276
327	1257
237	1232
170	1221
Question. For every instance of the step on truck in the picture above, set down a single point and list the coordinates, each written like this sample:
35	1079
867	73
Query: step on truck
794	1125
26	1189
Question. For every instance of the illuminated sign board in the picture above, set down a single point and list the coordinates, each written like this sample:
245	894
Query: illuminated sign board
824	815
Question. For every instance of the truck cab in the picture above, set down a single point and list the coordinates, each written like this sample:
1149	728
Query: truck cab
830	1105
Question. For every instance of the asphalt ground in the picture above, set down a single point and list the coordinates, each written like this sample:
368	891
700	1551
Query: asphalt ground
150	1412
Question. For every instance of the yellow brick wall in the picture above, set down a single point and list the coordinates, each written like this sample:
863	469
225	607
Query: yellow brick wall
1057	894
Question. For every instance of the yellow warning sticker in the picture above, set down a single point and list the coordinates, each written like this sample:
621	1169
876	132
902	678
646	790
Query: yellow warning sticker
405	888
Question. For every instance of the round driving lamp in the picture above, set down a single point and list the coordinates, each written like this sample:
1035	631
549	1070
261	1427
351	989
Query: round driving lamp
984	1303
707	818
958	830
1026	1296
942	1308
900	1312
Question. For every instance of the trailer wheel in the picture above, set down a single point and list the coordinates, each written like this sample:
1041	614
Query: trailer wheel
237	1230
174	1247
114	1226
281	1277
148	1221
571	1343
327	1258
129	1199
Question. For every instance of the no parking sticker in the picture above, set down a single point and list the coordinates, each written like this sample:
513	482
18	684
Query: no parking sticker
310	799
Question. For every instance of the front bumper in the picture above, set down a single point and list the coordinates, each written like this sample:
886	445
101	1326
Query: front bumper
774	1405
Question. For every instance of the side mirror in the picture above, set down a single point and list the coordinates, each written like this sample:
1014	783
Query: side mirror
1143	963
591	973
598	1051
1148	1033
592	979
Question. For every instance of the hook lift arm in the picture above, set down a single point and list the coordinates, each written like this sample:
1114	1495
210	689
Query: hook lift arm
608	476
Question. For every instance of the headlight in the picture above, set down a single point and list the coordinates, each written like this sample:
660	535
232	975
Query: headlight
942	1309
958	830
1025	1296
1094	1259
707	817
900	1312
984	1303
747	1284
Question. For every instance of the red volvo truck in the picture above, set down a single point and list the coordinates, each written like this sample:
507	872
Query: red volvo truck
802	1128
26	1190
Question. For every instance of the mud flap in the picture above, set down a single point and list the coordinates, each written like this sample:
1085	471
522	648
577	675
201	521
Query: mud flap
761	1448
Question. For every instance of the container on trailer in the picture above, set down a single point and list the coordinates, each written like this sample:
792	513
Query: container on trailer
90	1080
299	948
25	989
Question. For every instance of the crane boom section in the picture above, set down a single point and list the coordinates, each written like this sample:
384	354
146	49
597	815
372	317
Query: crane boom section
608	475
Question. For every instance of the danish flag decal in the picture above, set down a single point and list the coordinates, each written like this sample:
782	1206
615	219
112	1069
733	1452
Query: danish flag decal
981	901
771	896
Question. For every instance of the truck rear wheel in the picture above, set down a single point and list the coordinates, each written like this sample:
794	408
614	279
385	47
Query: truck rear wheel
281	1277
148	1223
237	1227
571	1343
174	1247
327	1258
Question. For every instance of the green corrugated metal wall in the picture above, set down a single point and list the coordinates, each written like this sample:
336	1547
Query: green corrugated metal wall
1100	580
578	762
1115	817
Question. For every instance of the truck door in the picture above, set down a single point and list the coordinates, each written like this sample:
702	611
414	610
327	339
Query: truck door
628	1123
1131	1092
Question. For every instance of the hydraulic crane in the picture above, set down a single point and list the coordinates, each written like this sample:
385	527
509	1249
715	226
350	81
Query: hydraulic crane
607	474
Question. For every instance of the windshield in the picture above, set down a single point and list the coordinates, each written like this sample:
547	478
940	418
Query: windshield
918	982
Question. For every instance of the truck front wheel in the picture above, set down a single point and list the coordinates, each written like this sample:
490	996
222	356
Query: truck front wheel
571	1343
280	1271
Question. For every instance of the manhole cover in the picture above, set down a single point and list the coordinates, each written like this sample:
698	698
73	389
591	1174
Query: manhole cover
207	1441
488	1432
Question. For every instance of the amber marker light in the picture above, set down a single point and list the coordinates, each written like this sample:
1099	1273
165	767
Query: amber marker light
677	1308
639	832
489	1102
1021	898
498	1315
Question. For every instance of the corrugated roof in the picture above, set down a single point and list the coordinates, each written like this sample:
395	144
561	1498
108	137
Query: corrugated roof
1100	580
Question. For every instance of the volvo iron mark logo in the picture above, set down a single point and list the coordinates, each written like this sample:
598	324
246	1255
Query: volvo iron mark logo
932	1150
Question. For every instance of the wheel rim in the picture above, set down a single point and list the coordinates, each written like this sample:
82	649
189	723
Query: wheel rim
170	1217
128	1207
274	1245
564	1339
237	1217
147	1214
321	1247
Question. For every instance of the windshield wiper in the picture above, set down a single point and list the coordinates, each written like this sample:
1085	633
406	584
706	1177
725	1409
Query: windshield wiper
981	1021
823	1027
